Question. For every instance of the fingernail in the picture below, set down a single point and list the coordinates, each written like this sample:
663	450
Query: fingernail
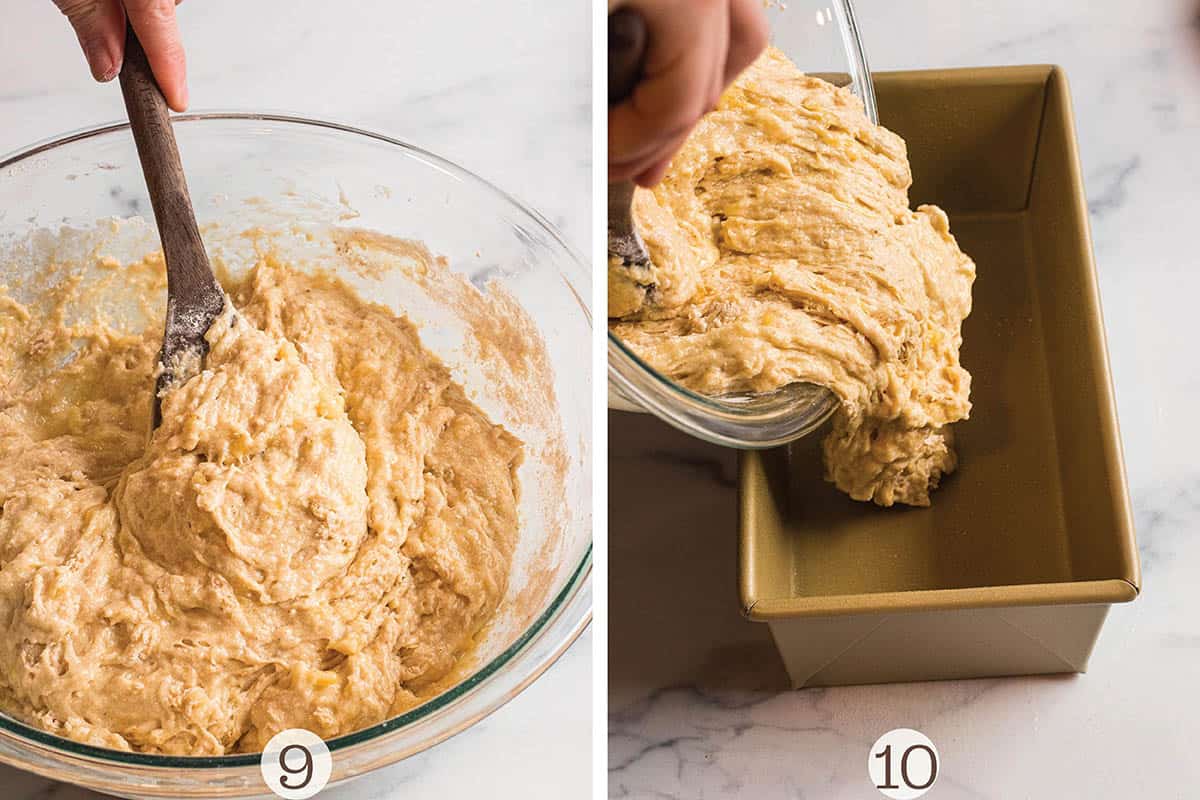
105	66
101	65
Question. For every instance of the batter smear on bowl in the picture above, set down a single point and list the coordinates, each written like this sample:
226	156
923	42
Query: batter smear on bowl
785	251
312	537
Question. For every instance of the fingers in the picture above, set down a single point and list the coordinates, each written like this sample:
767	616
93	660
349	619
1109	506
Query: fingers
649	171
154	23
100	27
684	64
696	48
655	173
748	34
717	76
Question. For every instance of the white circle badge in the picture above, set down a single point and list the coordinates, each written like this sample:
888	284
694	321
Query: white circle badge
296	764
903	764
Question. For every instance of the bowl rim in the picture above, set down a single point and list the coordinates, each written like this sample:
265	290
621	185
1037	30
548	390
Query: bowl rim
578	581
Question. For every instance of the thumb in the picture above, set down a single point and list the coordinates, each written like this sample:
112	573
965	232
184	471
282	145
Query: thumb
100	27
157	29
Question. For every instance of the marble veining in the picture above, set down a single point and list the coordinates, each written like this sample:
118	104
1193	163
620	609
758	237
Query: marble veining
503	89
1110	180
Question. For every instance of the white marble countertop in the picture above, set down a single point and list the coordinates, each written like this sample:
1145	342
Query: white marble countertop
503	89
684	724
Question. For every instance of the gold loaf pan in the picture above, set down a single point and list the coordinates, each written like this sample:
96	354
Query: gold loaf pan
1014	567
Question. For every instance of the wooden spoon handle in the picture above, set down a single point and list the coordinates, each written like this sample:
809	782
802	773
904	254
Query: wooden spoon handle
188	271
627	40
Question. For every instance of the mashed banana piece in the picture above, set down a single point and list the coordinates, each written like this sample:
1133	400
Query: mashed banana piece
784	240
311	538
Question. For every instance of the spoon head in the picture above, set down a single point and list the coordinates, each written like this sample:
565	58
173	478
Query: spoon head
189	316
627	253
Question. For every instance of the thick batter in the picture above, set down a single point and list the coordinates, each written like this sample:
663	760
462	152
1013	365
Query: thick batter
311	538
784	251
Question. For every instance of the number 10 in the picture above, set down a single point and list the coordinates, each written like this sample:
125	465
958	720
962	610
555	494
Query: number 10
886	755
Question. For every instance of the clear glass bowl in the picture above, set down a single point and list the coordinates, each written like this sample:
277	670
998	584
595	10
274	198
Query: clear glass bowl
822	38
306	177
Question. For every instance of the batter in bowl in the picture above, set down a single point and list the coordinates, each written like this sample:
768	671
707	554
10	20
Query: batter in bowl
312	538
785	251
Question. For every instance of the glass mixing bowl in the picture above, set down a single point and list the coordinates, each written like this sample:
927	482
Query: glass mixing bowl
304	179
821	37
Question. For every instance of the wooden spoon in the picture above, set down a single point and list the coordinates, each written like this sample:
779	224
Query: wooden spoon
194	298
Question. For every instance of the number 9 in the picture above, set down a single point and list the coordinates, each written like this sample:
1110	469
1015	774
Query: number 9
307	767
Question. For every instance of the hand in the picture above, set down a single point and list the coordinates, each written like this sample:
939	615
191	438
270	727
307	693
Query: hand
695	49
100	26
